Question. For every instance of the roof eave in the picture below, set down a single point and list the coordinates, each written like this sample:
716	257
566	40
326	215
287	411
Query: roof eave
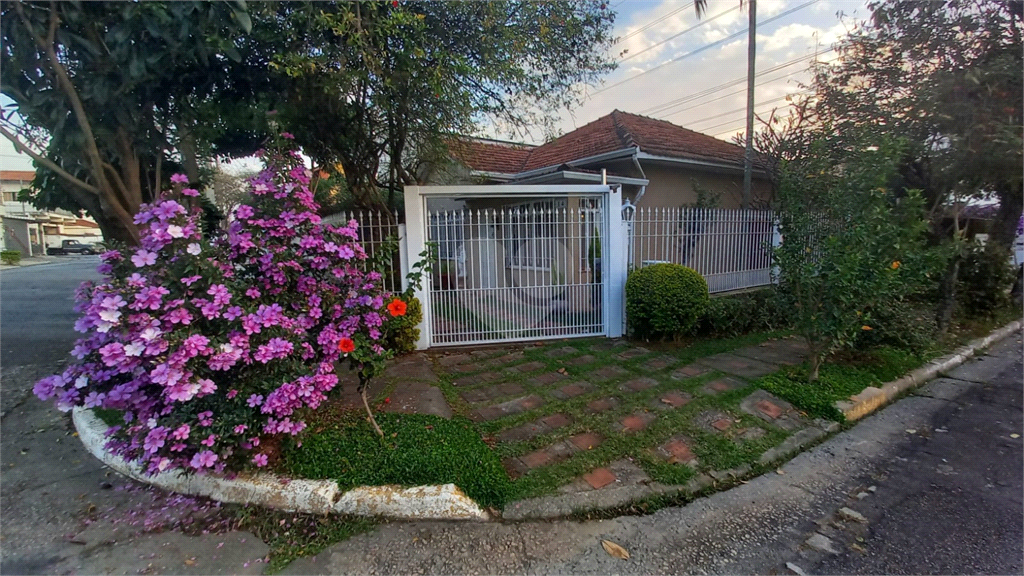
581	176
718	166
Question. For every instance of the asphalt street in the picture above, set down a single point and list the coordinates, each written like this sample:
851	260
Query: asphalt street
36	313
934	483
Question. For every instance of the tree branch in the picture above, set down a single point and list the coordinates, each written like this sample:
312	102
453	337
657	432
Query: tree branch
64	81
49	163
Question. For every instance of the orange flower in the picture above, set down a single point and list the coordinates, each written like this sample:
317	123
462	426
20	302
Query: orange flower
865	328
895	264
396	307
346	345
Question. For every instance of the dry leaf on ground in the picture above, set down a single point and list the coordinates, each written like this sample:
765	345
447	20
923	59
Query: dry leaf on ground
615	550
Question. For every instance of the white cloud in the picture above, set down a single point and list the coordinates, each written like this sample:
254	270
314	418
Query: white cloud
786	39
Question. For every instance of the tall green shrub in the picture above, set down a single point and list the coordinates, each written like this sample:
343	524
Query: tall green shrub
665	300
848	240
985	278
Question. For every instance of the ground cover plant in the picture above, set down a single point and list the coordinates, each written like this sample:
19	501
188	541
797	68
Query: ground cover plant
419	449
209	348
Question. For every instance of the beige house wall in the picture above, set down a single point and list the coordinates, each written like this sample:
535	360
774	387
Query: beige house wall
672	186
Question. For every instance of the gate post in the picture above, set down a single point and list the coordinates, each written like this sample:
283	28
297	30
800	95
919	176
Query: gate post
415	242
615	276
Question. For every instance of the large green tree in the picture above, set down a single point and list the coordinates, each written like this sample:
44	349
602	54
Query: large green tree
946	76
108	97
943	77
381	87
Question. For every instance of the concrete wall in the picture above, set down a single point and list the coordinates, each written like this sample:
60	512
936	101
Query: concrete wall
18	236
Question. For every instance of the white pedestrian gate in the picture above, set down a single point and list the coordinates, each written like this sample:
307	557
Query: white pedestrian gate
513	263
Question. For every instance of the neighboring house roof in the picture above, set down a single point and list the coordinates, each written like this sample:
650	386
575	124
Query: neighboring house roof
17	175
616	131
491	155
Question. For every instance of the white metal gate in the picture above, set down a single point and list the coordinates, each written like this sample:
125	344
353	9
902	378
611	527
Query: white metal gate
523	265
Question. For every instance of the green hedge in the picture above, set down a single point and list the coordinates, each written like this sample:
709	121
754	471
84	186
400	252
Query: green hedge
739	314
665	300
10	257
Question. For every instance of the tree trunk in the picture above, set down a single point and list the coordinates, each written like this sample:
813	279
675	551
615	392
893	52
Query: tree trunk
115	230
1004	229
363	382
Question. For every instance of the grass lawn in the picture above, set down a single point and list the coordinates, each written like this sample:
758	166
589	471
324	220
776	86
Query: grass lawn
848	373
418	449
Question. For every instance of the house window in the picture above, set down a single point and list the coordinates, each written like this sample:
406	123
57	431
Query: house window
10	196
530	233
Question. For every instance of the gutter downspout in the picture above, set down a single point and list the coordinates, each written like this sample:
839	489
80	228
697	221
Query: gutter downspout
636	163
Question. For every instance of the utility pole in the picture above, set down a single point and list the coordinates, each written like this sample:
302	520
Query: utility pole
748	156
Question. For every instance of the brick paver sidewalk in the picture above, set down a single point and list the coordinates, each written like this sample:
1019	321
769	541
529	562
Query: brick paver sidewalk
596	414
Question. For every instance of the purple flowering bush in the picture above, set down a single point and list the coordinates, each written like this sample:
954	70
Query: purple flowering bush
208	346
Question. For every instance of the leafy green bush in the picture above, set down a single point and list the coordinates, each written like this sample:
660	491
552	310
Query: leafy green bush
985	278
421	449
665	300
728	316
405	333
10	257
901	324
847	240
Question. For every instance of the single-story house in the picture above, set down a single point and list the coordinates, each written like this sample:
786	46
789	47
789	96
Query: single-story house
655	161
535	256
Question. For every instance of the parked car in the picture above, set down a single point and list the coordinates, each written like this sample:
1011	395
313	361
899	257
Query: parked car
72	247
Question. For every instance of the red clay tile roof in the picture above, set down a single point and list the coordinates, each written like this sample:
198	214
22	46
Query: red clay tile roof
615	131
491	155
17	175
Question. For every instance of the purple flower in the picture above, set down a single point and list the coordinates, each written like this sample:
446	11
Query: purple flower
254	400
168	209
204	459
287	136
155	439
94	399
244	211
190	192
181	432
144	258
205	418
179	179
260	460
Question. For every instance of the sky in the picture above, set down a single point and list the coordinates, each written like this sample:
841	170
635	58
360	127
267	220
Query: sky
654	32
705	90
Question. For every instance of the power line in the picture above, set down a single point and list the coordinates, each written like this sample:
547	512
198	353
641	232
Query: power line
741	80
652	23
703	48
699	104
730	112
674	36
720	124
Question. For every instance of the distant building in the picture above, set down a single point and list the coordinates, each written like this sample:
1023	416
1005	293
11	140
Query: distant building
30	230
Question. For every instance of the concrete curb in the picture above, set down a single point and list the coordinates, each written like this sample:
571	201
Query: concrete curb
441	502
872	398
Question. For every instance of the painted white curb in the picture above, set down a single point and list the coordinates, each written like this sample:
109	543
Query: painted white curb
872	398
442	502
